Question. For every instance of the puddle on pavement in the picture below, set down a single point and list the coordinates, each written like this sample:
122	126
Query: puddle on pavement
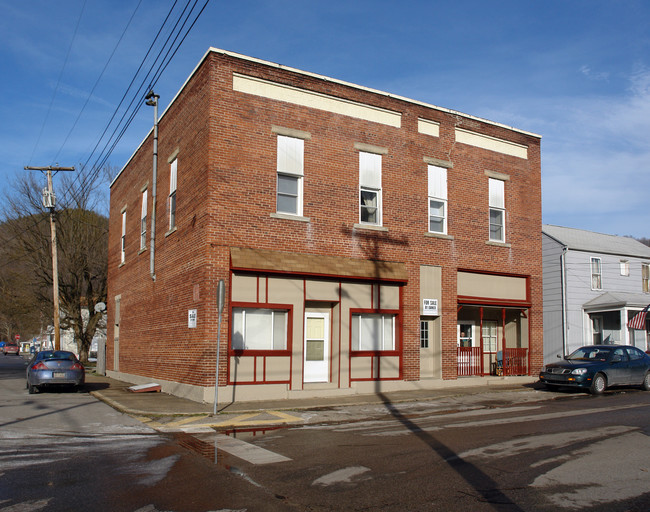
205	446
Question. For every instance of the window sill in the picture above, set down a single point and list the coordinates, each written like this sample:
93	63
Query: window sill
144	249
288	216
498	244
439	235
371	227
121	264
172	230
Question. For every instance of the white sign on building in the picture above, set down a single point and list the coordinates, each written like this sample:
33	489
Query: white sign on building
430	306
191	318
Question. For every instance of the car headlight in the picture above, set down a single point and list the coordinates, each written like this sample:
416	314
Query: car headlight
579	371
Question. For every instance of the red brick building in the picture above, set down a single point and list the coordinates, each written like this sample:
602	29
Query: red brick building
368	242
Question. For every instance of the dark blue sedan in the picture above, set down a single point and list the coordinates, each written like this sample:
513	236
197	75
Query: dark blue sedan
597	367
54	368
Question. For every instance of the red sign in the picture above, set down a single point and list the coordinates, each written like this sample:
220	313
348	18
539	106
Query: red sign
17	337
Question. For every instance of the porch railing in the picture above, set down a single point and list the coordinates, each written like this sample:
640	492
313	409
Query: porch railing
469	361
516	361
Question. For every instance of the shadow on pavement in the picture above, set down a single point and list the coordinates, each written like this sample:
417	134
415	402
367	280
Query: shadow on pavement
484	486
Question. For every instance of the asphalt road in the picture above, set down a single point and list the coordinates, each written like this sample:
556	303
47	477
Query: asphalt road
67	451
512	451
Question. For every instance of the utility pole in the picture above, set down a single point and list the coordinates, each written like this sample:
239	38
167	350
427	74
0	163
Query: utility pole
49	201
152	101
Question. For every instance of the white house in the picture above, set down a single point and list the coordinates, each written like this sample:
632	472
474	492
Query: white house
593	285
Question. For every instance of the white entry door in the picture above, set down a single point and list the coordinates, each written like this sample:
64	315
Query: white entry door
317	344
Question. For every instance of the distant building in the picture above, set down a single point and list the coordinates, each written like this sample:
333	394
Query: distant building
368	242
593	285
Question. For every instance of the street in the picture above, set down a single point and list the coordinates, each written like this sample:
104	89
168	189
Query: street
525	450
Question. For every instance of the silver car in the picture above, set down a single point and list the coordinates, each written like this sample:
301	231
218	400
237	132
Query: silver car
54	368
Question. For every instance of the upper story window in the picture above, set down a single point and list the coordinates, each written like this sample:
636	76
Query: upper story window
123	238
497	210
259	329
290	168
625	267
171	202
373	332
645	277
143	220
437	199
596	274
369	188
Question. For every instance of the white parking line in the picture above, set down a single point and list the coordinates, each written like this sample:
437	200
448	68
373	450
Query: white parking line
243	450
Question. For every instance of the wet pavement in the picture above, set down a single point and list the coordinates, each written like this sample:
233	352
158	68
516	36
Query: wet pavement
169	413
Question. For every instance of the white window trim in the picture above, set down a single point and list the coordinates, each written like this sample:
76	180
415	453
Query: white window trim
370	170
437	186
173	185
497	203
288	167
143	221
592	274
123	239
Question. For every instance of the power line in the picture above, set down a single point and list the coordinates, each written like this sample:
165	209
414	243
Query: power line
56	88
98	79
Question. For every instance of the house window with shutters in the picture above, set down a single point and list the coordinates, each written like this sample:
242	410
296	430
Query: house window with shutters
645	277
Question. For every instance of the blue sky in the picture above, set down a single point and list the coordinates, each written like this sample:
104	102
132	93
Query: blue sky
575	72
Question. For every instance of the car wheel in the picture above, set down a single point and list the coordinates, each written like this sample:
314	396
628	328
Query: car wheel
598	385
646	382
32	389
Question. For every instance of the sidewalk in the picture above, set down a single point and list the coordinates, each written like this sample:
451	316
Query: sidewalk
157	405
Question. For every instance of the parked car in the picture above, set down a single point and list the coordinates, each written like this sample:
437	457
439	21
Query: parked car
10	348
54	368
598	367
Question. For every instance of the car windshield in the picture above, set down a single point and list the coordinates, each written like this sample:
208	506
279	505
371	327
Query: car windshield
590	354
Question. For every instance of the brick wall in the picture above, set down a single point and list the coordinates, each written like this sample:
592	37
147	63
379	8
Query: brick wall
226	193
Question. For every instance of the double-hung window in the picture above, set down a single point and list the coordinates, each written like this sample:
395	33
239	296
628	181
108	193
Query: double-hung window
437	199
645	277
596	274
290	165
259	329
497	210
143	220
123	238
171	206
373	332
369	188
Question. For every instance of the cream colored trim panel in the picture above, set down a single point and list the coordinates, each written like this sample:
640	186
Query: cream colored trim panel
429	127
491	143
315	100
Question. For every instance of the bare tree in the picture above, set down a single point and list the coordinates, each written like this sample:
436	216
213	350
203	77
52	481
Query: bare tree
82	236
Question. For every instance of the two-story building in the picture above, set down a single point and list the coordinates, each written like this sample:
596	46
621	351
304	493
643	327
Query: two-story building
368	242
593	285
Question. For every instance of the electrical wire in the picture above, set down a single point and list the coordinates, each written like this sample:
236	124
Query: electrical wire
58	82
